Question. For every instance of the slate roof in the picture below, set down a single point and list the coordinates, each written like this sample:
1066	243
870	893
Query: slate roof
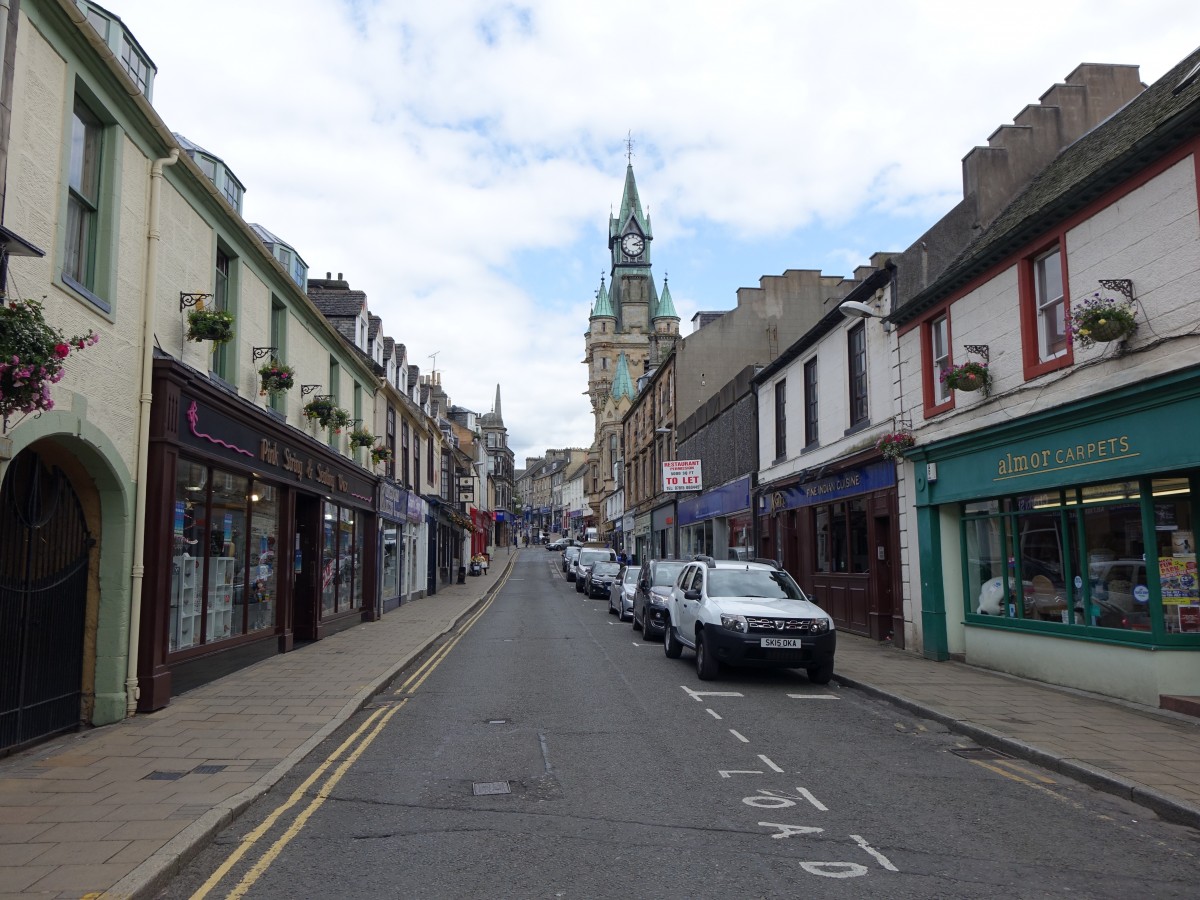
338	304
603	306
665	309
1151	125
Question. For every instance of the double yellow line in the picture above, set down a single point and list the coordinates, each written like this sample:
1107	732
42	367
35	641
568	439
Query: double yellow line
353	747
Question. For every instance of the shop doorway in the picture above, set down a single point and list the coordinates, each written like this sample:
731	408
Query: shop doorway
882	614
45	548
306	570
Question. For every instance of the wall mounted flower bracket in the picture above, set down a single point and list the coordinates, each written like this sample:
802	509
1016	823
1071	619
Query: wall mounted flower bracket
260	352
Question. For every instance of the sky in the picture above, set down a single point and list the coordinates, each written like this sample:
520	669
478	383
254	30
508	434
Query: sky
458	160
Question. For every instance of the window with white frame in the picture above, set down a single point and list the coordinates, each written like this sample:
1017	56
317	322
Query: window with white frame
1051	310
939	353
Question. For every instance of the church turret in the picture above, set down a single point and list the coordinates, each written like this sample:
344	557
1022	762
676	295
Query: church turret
665	308
603	306
622	382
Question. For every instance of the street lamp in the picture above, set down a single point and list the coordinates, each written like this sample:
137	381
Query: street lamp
854	309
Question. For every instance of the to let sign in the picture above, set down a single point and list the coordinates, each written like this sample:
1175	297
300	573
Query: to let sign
682	475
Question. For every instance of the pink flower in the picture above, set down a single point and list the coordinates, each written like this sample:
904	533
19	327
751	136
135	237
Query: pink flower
61	350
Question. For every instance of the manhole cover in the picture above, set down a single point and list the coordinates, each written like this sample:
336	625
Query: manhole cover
207	770
484	788
979	753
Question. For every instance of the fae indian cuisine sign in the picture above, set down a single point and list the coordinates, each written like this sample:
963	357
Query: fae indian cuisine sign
682	475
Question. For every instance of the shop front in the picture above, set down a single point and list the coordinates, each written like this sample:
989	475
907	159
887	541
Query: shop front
837	536
257	536
641	537
398	550
718	522
662	532
1062	546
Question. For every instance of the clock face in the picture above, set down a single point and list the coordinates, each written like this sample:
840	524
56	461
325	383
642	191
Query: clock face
633	244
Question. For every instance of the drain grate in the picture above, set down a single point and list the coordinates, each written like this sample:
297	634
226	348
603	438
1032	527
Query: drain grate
979	753
487	788
163	776
208	770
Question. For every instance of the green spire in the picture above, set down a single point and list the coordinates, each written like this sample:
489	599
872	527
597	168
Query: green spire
622	383
603	305
631	207
665	309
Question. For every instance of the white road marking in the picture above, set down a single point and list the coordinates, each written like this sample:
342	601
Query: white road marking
770	764
744	740
713	713
696	695
789	830
725	773
883	860
834	869
768	799
814	696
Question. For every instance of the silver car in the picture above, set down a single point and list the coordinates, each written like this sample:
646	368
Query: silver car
620	597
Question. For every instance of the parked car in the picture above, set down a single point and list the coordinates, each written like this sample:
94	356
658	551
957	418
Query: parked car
655	580
600	578
747	614
558	544
588	557
620	597
569	555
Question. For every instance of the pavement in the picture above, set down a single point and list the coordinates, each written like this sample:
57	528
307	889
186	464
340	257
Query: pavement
115	812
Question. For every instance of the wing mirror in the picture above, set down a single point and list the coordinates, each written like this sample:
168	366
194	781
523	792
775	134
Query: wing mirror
691	595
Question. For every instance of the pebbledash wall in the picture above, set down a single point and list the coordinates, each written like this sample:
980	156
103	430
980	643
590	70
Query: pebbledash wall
1029	499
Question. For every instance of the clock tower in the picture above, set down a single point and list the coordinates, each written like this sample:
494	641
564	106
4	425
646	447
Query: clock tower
630	329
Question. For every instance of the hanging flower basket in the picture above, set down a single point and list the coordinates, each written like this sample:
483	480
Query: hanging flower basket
380	454
893	445
1100	319
31	357
319	410
214	325
339	420
276	378
970	376
360	437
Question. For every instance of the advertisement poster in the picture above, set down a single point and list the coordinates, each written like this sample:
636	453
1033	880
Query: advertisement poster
1177	575
1189	618
179	515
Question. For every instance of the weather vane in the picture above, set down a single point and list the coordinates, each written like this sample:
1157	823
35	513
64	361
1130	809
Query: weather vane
629	147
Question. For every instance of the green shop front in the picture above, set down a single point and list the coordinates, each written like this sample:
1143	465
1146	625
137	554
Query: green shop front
1061	546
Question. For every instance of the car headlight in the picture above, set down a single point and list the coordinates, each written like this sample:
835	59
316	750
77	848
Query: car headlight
734	623
820	626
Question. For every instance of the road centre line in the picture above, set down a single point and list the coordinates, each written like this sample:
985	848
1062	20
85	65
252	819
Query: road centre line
744	740
696	695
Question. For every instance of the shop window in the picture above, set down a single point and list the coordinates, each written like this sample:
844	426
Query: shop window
264	562
329	570
223	575
859	558
821	534
1088	558
404	455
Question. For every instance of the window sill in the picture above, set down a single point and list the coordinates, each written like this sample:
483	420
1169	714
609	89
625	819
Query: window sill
855	429
87	295
276	415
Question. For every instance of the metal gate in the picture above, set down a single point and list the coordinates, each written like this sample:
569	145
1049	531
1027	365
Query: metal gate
44	549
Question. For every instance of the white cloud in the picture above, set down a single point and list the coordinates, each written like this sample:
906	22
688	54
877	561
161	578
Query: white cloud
435	152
